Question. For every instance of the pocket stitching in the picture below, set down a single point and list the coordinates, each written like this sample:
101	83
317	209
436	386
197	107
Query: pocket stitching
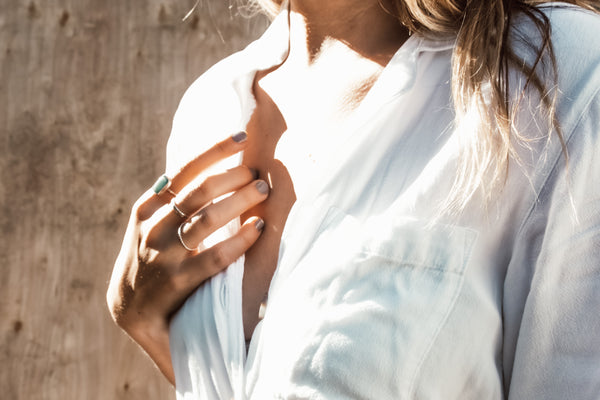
411	387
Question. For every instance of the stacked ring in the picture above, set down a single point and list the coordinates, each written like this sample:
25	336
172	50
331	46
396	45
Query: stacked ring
180	236
178	210
162	185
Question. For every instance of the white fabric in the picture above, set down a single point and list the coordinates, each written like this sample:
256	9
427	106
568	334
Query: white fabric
373	300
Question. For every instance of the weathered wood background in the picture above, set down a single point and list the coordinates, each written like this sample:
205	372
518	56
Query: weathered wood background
87	92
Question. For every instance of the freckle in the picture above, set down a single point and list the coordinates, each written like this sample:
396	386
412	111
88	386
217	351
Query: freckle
126	386
17	326
64	18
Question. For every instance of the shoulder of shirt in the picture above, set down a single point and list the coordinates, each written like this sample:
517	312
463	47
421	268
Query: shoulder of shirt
259	54
217	103
575	32
208	112
216	79
574	38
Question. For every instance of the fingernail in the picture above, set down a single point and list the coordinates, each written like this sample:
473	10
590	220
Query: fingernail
259	224
262	187
239	137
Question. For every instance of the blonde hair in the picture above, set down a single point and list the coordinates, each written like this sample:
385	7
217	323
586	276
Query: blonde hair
480	66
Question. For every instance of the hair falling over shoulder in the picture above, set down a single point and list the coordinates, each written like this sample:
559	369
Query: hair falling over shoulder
481	61
482	58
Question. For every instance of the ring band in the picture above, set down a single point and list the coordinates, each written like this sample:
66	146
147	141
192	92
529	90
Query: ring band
162	185
180	236
178	210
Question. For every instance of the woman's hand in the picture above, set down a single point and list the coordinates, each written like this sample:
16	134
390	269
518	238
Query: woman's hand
162	259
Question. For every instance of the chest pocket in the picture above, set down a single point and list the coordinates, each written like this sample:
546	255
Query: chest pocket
362	309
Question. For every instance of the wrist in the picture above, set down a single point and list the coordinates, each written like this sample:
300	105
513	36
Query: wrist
153	338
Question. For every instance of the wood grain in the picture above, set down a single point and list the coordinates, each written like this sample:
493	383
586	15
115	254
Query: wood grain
87	93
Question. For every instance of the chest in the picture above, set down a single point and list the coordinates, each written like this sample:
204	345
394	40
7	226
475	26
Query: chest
291	129
299	116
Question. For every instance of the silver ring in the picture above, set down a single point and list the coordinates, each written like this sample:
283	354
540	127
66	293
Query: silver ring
180	236
178	210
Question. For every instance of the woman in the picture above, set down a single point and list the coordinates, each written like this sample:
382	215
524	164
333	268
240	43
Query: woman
417	187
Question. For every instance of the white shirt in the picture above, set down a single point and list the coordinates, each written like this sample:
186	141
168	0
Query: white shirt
373	298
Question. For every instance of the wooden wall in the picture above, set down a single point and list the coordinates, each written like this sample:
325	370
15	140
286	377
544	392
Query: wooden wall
87	92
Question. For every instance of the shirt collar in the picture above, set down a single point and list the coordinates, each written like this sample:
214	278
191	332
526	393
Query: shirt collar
272	47
428	44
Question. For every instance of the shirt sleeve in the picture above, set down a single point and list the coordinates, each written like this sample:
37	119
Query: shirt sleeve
556	268
209	112
206	333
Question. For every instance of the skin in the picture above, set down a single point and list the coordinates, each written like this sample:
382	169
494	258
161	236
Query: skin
337	50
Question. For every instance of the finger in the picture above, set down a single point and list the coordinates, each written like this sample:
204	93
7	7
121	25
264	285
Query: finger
147	205
211	188
207	263
151	201
228	147
214	216
215	186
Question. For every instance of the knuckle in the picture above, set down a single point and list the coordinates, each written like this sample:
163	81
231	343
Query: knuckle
151	238
144	206
209	182
219	257
206	188
241	168
248	238
207	218
146	256
221	147
155	235
202	191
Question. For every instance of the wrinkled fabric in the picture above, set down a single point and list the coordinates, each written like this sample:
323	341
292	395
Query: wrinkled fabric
375	295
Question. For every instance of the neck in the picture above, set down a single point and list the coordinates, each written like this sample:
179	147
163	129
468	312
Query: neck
362	26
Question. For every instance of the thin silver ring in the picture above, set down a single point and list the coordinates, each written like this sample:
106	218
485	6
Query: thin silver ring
180	236
178	210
